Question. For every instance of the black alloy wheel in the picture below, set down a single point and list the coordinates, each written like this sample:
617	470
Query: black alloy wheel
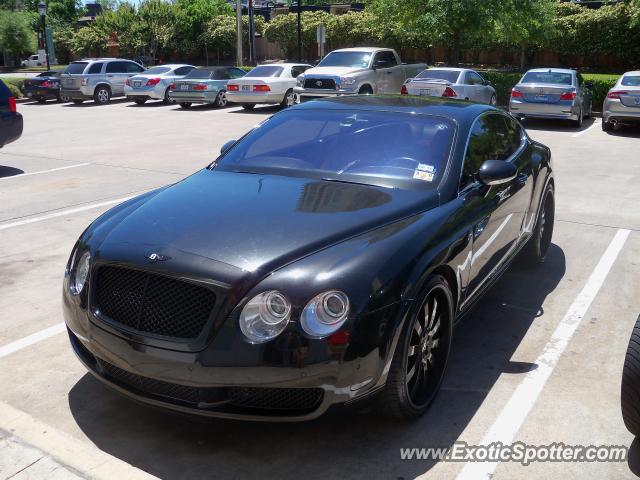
538	245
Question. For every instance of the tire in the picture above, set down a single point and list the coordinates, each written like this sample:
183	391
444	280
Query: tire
630	388
607	126
365	90
494	100
421	356
77	101
537	247
248	106
102	95
221	99
578	123
185	104
41	100
166	98
288	100
140	100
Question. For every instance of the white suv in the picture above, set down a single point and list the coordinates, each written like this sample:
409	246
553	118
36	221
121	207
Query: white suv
99	79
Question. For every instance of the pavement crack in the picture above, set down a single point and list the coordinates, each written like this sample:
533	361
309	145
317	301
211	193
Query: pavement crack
24	468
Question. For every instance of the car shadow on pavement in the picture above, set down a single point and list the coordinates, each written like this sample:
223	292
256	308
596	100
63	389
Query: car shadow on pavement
91	103
626	132
344	444
259	109
9	171
541	124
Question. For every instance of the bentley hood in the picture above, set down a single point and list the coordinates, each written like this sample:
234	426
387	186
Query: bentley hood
258	222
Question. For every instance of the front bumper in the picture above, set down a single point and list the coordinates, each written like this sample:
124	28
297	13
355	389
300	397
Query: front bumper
216	381
208	96
307	94
258	97
562	111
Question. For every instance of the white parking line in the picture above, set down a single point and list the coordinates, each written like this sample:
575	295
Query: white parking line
45	171
595	124
62	213
31	339
515	412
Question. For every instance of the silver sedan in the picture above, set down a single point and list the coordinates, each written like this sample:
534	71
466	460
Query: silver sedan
453	83
155	82
622	104
551	93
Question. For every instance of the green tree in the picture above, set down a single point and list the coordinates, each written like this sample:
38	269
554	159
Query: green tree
124	25
283	29
156	26
89	42
16	35
192	19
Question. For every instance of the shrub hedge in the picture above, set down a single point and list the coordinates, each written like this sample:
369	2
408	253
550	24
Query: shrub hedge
14	84
503	82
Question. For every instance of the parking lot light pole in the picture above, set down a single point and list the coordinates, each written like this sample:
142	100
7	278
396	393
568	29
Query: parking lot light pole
239	33
42	10
299	32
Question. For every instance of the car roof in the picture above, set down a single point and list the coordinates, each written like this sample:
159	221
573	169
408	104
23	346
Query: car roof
361	49
173	65
632	73
554	70
459	110
283	64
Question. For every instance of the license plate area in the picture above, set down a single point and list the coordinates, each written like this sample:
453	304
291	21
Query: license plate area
246	88
542	98
137	84
184	87
425	91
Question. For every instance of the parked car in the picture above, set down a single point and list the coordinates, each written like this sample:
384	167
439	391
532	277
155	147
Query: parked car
552	93
270	84
350	71
154	83
321	259
630	388
10	119
204	85
451	82
32	61
622	104
99	79
43	87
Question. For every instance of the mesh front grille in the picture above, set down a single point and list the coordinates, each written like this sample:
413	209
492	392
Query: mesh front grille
293	400
320	83
152	303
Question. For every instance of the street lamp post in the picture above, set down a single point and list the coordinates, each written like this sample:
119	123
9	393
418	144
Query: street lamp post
299	32
42	10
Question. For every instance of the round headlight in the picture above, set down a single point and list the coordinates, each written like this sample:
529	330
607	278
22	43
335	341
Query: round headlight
81	273
265	316
325	314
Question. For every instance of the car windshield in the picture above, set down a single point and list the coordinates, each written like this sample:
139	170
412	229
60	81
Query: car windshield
448	75
51	73
76	68
368	147
630	81
346	59
157	70
561	78
199	73
265	71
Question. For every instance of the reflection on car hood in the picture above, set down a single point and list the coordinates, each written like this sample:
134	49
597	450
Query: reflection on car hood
256	222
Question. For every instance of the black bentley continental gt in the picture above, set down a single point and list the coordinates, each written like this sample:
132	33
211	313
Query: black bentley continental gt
322	259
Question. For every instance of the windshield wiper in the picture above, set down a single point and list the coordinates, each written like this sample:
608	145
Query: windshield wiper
339	180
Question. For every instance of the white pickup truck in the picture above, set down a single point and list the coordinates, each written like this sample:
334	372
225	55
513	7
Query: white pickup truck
360	70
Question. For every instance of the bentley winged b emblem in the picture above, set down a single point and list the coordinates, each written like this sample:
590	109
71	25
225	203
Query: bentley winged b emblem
156	257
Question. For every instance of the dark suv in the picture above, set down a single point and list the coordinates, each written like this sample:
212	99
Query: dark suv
99	79
10	119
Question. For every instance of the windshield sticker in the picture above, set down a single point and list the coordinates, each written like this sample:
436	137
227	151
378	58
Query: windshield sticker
422	175
423	167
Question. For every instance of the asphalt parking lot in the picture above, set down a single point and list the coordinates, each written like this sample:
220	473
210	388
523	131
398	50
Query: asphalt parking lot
74	162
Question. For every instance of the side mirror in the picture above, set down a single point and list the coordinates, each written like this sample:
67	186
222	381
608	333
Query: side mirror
488	83
495	172
227	146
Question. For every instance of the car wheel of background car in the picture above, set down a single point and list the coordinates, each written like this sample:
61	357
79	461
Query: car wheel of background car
41	100
221	99
607	126
248	106
77	101
536	249
185	104
365	90
421	355
102	95
140	100
493	101
288	99
578	123
167	100
630	390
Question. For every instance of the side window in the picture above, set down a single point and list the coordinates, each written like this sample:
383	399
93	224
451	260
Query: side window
133	68
236	73
490	139
116	67
182	70
385	59
476	79
95	68
298	69
514	136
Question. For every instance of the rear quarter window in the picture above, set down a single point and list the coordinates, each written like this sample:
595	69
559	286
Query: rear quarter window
95	68
76	68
